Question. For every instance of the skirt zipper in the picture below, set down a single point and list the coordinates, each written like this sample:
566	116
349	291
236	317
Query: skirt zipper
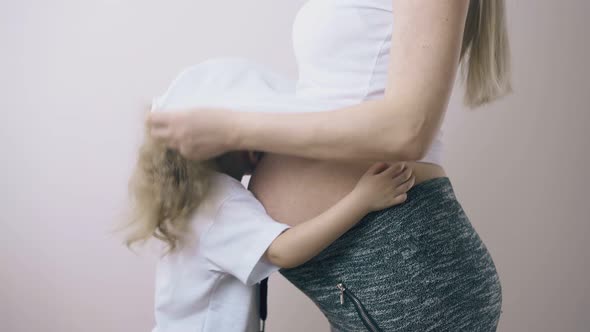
369	323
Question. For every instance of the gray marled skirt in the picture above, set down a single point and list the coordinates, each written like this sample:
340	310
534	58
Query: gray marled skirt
419	266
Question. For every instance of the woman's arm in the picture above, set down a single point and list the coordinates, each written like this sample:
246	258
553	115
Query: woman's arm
426	45
382	186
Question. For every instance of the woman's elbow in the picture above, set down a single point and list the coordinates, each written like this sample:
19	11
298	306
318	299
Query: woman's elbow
411	145
415	151
406	153
411	131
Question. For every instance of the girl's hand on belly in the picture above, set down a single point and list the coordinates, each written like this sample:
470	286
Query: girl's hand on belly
384	185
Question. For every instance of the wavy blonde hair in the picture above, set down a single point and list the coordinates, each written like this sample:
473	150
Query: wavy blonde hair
165	188
485	52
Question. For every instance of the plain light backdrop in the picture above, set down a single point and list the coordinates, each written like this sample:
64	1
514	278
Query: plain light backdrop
73	78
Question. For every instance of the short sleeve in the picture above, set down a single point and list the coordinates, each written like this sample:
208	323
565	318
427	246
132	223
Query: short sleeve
239	236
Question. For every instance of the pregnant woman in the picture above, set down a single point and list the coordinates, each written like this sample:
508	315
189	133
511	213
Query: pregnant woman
383	72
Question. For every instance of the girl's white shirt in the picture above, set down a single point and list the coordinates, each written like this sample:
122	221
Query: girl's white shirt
210	284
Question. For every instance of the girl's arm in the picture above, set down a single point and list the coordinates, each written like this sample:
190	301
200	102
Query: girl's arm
426	46
380	187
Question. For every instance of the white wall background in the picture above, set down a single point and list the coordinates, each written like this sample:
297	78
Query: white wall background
74	75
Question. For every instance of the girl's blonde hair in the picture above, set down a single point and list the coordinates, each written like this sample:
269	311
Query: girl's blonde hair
165	188
485	52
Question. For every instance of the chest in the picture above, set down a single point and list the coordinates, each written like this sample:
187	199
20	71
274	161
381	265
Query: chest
324	28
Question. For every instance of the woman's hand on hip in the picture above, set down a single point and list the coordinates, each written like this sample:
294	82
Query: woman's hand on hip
197	134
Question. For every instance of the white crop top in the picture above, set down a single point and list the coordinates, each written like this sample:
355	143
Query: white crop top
342	52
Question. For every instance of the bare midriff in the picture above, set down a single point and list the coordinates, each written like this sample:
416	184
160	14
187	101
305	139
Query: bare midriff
294	189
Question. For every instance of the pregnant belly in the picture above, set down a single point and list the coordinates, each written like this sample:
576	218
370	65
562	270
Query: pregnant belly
294	189
419	266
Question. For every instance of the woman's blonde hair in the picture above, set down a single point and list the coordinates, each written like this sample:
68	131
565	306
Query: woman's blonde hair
165	188
485	52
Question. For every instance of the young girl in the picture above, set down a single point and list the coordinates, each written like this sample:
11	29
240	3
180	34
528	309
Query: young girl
220	241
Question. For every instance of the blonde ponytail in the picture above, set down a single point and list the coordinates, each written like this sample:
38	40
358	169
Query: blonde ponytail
485	53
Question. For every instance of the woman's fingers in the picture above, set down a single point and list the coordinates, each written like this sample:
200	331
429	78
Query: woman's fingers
197	134
159	119
161	128
162	134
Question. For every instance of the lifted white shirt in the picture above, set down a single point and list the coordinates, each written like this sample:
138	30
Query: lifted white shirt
210	284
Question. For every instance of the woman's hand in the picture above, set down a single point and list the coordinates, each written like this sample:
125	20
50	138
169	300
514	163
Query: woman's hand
384	185
197	134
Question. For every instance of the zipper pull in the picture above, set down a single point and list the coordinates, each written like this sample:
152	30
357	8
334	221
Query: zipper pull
342	289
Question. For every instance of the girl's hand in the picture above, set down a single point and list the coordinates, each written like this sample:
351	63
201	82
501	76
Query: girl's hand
384	185
197	134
